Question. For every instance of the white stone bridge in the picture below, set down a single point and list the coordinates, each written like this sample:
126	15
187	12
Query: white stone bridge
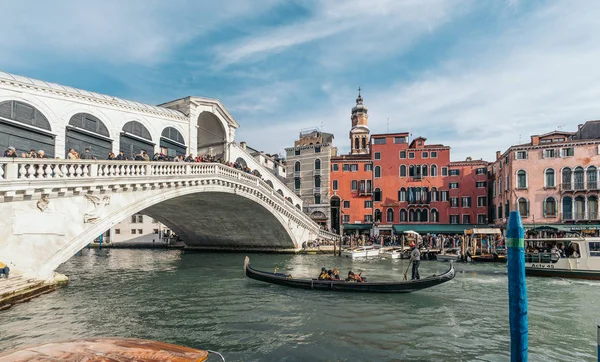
51	208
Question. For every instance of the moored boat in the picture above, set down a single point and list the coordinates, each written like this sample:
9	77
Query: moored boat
361	252
575	257
448	255
406	286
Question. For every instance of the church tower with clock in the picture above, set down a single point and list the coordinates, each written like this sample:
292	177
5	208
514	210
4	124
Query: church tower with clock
359	134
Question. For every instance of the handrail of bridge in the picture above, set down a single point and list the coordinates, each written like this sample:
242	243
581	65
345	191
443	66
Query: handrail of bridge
26	170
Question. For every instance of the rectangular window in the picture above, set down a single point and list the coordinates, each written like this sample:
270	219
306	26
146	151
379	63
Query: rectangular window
443	195
506	160
369	218
567	152
297	152
480	171
117	231
346	167
551	153
335	167
425	155
317	199
354	185
411	155
354	167
481	219
453	185
444	171
454	172
368	204
481	201
132	231
140	231
481	184
398	140
378	155
402	154
559	139
346	219
594	248
466	219
433	154
466	201
346	204
133	219
546	141
454	202
335	185
368	167
318	149
453	219
521	155
379	141
155	231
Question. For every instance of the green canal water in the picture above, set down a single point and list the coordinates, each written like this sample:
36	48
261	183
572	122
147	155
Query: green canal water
203	300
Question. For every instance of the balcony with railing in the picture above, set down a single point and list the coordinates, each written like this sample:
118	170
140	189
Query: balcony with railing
317	172
296	173
317	190
365	191
419	201
580	216
579	186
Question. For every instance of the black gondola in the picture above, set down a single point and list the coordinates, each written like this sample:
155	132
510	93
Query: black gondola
406	286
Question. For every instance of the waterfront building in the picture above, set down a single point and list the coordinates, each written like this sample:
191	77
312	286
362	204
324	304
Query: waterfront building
552	180
308	165
138	228
272	162
393	183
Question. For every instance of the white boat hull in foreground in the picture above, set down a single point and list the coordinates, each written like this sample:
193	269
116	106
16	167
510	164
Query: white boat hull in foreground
361	252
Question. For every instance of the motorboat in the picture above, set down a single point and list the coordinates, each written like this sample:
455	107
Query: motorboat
452	254
393	253
361	252
405	286
574	257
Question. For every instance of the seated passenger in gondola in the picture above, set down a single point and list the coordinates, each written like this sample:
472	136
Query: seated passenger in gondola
324	275
336	274
354	277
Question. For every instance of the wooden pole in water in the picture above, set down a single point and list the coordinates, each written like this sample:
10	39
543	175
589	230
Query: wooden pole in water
517	288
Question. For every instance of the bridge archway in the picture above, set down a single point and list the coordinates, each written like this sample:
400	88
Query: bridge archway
25	127
135	137
87	131
172	142
212	135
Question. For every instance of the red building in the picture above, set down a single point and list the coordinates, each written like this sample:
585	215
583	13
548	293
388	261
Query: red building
414	185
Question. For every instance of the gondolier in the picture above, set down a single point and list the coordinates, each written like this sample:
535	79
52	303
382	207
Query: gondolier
415	258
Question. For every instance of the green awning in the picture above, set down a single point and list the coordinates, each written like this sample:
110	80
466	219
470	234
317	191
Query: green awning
357	227
561	227
434	228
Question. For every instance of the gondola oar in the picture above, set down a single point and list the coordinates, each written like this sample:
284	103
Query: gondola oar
406	272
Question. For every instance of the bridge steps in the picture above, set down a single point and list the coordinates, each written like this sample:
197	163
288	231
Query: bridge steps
18	289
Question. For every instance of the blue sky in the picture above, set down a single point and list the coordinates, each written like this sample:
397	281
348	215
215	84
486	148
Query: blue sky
475	75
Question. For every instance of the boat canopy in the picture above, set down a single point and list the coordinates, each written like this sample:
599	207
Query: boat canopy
484	231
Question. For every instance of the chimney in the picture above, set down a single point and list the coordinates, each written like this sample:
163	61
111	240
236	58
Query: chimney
535	140
243	145
498	154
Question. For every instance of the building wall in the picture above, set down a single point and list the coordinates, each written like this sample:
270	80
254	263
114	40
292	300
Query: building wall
355	204
139	228
472	181
536	192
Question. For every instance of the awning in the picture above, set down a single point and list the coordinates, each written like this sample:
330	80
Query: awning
433	228
357	227
483	231
562	227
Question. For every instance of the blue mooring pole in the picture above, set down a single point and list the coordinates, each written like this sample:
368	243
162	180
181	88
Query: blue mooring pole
517	288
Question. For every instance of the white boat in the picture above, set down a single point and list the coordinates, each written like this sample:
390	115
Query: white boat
575	257
393	253
448	255
361	252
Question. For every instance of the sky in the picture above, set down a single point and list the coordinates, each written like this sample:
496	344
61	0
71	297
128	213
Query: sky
478	76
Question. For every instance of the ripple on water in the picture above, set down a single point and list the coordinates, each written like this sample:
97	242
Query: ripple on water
203	300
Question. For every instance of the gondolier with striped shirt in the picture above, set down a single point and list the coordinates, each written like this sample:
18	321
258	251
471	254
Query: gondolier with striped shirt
415	258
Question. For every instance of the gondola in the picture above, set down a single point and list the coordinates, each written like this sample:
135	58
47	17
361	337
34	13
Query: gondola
406	286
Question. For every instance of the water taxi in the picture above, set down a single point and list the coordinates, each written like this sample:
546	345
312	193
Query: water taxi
570	257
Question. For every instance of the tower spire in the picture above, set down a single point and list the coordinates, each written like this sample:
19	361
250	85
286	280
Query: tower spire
359	134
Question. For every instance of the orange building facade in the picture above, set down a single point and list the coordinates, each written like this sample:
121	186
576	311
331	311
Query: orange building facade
391	183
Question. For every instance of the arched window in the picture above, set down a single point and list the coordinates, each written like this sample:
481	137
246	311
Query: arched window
411	216
592	178
135	138
521	179
550	207
411	170
15	117
24	113
402	170
87	131
377	195
356	143
579	208
425	171
377	215
270	183
549	178
390	215
433	170
434	194
298	207
364	143
567	208
566	179
417	215
403	215
377	171
523	207
317	181
317	164
424	215
402	194
297	166
435	216
592	207
280	192
172	142
297	183
578	178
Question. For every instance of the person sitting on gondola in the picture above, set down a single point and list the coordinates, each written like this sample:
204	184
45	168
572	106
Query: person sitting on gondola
354	277
323	275
336	274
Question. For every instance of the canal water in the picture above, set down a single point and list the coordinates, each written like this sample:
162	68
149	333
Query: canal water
203	300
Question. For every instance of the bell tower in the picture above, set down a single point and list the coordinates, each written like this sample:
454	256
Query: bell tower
359	134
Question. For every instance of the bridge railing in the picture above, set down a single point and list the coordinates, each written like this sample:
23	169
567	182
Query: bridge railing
30	170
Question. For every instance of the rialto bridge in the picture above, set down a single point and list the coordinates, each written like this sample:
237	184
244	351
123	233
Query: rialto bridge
53	207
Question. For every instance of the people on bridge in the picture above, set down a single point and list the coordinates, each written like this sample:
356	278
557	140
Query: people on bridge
72	155
87	155
10	152
41	154
4	269
415	259
121	156
111	156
